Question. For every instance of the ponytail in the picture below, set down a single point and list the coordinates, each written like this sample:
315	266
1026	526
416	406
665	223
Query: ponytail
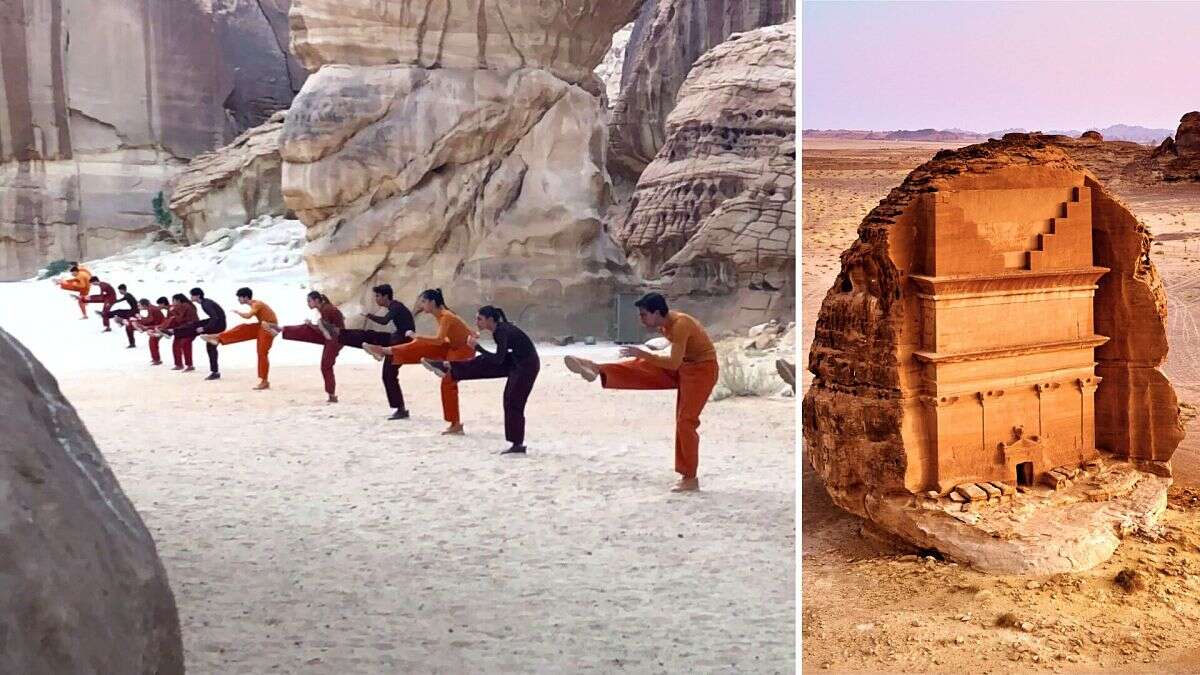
434	295
494	313
317	295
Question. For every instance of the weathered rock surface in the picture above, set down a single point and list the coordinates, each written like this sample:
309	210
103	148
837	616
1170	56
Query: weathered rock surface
483	176
231	185
567	39
713	216
101	102
748	361
609	70
668	37
1179	158
83	588
888	331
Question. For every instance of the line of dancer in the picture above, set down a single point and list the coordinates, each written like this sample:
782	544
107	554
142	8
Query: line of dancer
454	354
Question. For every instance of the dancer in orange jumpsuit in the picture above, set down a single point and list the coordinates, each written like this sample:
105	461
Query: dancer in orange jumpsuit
690	368
80	283
321	334
251	331
452	343
149	324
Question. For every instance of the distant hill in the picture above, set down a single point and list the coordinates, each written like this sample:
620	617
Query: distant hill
1115	132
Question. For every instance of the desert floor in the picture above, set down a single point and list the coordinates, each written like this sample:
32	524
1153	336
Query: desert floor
868	607
305	537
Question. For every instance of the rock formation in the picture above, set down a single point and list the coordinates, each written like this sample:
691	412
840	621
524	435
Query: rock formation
83	588
101	102
997	323
609	70
1179	158
231	185
668	37
457	146
713	216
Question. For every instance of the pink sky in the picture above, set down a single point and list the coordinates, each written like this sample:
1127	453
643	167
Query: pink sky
985	66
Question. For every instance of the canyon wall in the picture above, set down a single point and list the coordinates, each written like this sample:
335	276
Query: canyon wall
103	101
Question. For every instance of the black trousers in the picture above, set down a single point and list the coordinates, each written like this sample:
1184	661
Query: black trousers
521	376
126	315
391	372
205	327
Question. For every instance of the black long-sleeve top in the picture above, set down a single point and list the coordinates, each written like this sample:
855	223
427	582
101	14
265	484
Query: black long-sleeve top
398	315
128	297
212	309
511	343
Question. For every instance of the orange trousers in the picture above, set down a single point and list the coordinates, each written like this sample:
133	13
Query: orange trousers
252	331
413	352
82	289
695	381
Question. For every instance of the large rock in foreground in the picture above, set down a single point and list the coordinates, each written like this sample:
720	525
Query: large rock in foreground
475	164
83	588
713	217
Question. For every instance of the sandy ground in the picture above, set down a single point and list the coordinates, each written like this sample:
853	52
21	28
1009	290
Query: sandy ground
305	537
913	614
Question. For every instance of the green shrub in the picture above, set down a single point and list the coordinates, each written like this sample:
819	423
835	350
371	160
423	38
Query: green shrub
54	268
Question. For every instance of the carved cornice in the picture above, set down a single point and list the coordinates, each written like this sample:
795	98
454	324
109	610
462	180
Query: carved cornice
1089	342
1007	283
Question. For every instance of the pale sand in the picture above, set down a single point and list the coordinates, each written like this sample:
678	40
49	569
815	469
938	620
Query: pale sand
305	537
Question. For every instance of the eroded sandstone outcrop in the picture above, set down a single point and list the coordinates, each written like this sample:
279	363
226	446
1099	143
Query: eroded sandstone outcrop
83	588
102	102
233	184
713	216
998	323
465	153
1179	158
667	38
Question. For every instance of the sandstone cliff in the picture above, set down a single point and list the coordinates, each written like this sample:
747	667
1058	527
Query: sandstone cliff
667	38
1179	158
713	216
463	151
231	185
102	101
83	588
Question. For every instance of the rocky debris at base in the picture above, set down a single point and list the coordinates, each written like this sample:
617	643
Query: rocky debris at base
748	362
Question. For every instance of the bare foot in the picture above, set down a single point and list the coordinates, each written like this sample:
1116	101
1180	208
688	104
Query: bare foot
262	384
586	369
453	430
332	399
686	485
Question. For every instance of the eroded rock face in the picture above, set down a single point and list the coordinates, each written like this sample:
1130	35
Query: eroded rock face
480	177
713	216
668	37
231	185
84	590
940	353
103	101
1179	158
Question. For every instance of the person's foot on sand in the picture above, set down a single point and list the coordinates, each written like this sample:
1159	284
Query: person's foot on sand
130	346
211	339
177	368
454	430
439	368
189	369
213	376
83	318
272	328
686	485
332	399
106	330
262	384
156	363
400	414
787	371
514	450
582	367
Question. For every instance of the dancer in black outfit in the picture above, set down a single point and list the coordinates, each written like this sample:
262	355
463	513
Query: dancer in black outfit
402	320
124	316
516	359
213	325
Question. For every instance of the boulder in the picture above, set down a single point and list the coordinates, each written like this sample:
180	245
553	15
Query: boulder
467	157
84	590
713	217
233	184
104	103
1180	160
667	38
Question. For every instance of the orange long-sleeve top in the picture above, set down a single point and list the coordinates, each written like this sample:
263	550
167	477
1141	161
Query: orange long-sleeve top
689	342
452	331
261	311
84	277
